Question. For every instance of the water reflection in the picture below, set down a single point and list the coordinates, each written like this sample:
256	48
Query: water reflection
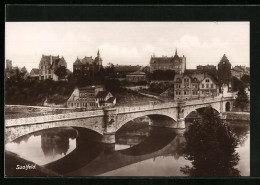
56	142
45	146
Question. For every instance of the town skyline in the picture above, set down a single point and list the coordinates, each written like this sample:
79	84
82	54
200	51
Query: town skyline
128	43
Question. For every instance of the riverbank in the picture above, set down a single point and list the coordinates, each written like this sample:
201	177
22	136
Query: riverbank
14	163
243	116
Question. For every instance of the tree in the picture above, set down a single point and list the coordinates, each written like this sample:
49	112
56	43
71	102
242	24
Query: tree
246	79
210	146
163	75
242	98
236	84
61	72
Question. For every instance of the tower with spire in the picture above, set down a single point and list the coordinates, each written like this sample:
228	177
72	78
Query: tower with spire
98	61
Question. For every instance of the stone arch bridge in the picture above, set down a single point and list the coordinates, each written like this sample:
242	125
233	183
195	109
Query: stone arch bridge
106	122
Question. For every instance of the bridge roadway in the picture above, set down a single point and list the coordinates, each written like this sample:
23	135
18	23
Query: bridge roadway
107	121
106	159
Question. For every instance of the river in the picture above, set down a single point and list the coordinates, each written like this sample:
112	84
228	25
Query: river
140	150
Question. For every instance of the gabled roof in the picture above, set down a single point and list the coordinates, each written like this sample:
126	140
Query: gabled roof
102	94
224	59
111	100
212	78
35	71
77	62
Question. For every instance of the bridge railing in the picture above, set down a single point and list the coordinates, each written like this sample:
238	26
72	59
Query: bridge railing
150	106
48	118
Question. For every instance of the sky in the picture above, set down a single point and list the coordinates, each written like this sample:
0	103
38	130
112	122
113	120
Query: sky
127	43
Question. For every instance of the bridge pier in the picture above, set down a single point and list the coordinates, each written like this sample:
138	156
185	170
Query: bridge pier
108	138
181	123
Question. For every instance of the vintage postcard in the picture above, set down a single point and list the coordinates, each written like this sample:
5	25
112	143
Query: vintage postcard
127	99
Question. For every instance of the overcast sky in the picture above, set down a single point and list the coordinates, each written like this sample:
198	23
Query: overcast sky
127	43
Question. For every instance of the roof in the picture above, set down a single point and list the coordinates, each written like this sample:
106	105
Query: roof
212	78
91	87
224	59
77	62
47	58
119	68
137	73
111	100
86	60
102	94
35	70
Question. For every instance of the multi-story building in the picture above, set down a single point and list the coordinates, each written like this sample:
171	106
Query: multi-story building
48	65
91	97
195	84
176	63
87	66
136	76
224	72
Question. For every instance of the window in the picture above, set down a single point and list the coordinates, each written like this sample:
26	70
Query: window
212	86
207	80
202	86
186	80
207	85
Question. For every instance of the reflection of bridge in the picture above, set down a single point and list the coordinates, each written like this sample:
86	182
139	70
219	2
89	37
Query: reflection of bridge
109	160
108	121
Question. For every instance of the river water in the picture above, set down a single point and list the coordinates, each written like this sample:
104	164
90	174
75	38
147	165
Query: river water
140	150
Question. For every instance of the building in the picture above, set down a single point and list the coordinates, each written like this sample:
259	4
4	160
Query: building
87	66
136	76
239	71
176	63
145	69
11	71
8	66
34	73
207	68
224	72
195	84
120	71
48	66
91	97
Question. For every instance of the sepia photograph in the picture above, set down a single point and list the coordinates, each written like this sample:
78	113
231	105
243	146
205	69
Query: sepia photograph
85	99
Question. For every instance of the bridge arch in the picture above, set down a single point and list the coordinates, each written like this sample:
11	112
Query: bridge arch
191	109
124	119
14	132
